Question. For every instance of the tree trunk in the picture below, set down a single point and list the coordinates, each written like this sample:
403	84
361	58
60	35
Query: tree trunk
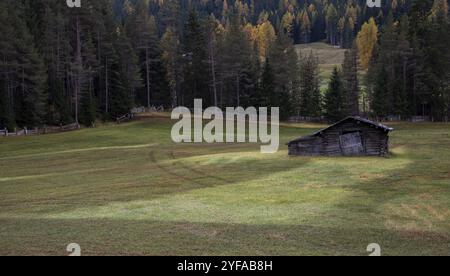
147	65
213	70
78	69
106	87
238	91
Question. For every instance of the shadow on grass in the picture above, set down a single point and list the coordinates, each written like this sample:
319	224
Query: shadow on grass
411	201
158	173
129	237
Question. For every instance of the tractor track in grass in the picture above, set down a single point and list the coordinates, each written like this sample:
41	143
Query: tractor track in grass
201	174
172	155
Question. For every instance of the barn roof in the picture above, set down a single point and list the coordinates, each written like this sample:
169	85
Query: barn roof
355	118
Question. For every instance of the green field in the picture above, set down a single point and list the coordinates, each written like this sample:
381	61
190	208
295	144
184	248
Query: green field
128	190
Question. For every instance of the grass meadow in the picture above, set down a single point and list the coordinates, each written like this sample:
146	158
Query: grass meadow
129	190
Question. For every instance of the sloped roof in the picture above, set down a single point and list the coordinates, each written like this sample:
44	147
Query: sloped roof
356	118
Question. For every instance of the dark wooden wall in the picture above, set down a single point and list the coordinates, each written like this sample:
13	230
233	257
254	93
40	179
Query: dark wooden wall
375	141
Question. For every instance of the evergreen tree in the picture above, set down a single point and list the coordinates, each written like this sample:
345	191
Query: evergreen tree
143	33
171	56
88	105
310	104
334	98
195	56
332	20
380	99
7	52
88	109
267	86
284	59
28	78
235	56
129	62
121	102
351	82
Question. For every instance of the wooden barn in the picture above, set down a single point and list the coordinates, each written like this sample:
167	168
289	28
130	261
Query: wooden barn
353	136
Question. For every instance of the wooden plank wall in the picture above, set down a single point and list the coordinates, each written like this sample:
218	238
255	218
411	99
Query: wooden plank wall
375	141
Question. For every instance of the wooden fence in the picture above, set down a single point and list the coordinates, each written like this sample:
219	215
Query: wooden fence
125	118
298	119
35	131
137	110
141	109
420	119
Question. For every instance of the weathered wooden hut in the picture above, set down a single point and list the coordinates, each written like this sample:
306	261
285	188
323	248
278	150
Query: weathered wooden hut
353	136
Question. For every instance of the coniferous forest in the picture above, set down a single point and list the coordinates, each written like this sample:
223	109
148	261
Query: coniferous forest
61	65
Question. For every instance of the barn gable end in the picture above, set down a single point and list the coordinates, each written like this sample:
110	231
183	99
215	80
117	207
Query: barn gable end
352	136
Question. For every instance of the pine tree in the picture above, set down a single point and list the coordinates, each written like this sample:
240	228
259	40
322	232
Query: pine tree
88	105
27	73
267	86
437	60
120	97
142	30
235	56
332	19
129	62
195	58
7	52
380	101
310	104
170	44
351	82
284	61
56	51
88	109
334	98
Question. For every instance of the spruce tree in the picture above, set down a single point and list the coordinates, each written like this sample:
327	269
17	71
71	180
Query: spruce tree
29	73
267	86
334	98
380	101
195	61
121	102
351	82
171	57
310	104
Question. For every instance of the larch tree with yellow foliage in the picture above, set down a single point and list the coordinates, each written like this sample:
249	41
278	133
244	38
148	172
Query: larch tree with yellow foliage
266	35
366	41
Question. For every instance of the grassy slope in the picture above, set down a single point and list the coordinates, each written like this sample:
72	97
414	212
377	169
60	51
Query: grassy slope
128	190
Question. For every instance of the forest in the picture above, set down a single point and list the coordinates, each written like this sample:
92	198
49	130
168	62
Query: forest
61	65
